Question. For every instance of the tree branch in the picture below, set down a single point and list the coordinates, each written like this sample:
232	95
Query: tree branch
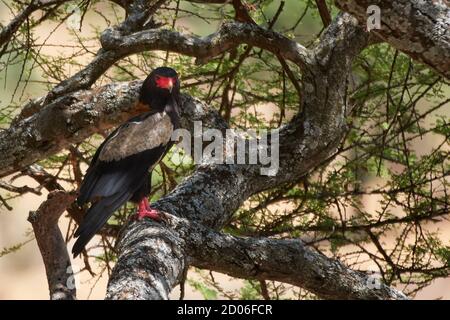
288	261
74	117
52	246
69	119
117	45
37	134
8	31
418	28
324	12
229	35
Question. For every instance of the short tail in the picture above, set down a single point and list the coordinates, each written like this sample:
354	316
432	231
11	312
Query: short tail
95	218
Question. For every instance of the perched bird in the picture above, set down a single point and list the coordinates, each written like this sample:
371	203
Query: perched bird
120	170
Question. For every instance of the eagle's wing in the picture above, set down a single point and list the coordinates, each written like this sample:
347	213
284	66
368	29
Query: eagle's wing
119	168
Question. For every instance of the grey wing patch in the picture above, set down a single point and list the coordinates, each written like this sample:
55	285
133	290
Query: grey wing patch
137	136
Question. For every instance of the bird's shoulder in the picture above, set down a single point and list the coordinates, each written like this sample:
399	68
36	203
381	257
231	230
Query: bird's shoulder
140	133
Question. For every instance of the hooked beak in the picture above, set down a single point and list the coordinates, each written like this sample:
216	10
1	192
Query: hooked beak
170	86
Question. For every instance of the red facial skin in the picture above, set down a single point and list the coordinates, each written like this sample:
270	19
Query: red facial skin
165	82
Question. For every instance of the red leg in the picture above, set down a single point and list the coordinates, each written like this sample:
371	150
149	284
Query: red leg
145	211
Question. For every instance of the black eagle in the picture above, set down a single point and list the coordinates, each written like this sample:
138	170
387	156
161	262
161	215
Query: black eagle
120	170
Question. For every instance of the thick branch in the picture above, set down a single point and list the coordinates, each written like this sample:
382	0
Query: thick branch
73	118
67	120
37	133
52	245
418	28
229	35
117	45
288	261
139	16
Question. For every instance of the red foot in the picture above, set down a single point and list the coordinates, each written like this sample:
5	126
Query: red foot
144	211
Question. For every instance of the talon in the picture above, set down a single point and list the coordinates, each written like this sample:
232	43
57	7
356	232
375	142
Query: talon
150	213
145	211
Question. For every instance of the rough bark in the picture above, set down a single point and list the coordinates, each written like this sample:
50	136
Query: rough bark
52	245
63	113
421	29
187	242
76	116
69	119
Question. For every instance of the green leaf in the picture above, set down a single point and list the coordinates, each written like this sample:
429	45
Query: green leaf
207	293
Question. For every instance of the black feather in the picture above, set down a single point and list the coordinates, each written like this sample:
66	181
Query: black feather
98	169
97	216
109	186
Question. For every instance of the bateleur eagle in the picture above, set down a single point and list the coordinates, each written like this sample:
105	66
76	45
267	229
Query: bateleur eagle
120	170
